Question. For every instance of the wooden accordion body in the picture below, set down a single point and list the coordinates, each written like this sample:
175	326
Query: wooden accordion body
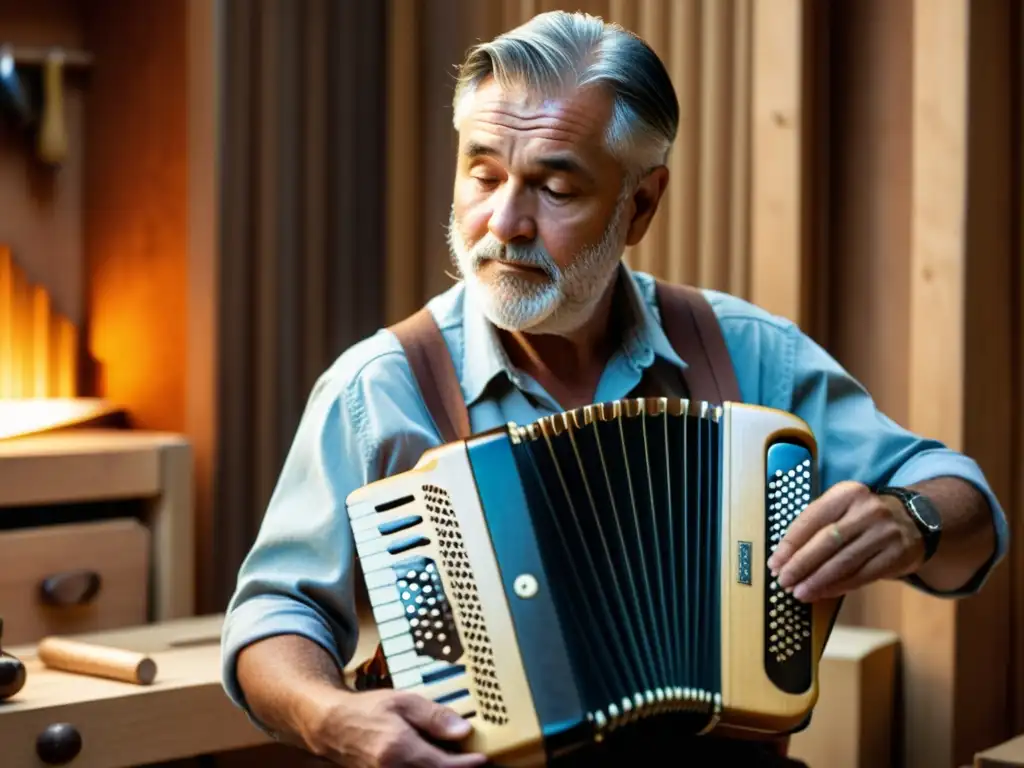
557	581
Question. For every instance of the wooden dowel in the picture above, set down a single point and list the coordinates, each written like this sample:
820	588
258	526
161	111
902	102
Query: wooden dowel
96	660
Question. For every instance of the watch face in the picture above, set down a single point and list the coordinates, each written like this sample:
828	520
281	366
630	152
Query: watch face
926	512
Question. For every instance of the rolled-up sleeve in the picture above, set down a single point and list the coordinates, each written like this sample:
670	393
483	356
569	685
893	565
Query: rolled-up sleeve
298	576
364	420
857	441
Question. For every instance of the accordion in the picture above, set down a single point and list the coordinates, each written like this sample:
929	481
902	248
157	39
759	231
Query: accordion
557	581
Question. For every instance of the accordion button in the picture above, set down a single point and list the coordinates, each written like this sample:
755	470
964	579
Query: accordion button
525	586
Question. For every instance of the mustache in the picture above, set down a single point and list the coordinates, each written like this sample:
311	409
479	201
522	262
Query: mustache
535	256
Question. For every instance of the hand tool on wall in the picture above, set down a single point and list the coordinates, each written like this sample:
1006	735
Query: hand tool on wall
53	136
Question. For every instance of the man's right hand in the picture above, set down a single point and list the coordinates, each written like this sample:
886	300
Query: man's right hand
390	729
294	688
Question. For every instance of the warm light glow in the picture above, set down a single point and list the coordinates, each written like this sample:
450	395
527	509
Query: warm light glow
38	347
20	417
38	360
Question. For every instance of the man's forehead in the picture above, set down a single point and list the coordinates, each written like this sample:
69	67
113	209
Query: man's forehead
576	116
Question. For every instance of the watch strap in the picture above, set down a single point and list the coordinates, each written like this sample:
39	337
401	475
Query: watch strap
909	499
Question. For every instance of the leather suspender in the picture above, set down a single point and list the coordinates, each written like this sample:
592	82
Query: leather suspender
689	323
693	331
433	370
687	318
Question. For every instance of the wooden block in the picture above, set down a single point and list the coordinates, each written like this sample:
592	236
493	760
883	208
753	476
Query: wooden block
81	465
1009	754
853	722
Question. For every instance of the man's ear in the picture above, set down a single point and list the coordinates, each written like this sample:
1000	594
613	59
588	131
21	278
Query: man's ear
645	203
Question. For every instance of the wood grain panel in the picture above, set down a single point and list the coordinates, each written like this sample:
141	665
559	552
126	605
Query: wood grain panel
936	370
869	224
778	280
205	48
956	267
78	466
989	343
404	159
135	207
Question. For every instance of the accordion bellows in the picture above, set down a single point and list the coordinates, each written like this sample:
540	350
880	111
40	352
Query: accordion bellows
557	581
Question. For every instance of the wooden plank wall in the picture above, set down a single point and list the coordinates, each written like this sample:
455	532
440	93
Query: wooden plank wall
852	166
959	355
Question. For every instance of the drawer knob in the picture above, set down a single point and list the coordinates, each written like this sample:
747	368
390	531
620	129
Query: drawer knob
70	588
12	671
59	744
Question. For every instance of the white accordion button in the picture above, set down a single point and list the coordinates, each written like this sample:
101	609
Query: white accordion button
525	586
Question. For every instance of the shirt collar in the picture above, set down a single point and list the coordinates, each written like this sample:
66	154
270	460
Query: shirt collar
484	357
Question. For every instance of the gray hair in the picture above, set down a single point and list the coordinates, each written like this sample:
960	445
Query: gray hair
556	51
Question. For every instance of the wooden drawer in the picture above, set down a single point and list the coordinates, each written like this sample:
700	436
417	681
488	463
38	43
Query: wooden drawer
81	577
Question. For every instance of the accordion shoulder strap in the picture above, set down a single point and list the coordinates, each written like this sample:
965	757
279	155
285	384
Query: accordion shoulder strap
432	367
434	372
692	328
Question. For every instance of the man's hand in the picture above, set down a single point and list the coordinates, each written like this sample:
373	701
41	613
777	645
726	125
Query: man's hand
843	540
390	729
295	689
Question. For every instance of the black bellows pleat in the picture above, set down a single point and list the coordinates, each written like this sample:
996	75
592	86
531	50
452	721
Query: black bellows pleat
626	510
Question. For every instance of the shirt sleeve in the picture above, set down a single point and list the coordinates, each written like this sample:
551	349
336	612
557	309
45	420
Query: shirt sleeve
858	442
299	576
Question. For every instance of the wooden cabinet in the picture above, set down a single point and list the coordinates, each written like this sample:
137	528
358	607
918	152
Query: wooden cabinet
78	577
96	531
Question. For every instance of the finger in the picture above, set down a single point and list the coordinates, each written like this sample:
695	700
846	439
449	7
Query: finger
824	545
876	567
424	755
827	508
429	756
434	719
841	567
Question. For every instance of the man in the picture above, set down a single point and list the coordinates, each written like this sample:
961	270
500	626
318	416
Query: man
564	127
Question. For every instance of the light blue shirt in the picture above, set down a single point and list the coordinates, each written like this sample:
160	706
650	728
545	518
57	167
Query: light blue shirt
365	420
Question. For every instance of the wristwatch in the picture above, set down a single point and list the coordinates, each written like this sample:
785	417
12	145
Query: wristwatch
922	512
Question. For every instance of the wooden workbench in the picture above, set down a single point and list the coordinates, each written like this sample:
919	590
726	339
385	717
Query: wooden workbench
184	713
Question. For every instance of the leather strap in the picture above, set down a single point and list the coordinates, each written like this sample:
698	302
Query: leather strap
693	331
432	367
434	371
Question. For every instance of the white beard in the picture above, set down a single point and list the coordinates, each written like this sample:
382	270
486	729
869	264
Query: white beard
559	305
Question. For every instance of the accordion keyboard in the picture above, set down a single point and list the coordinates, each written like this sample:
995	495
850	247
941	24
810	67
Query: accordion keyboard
417	629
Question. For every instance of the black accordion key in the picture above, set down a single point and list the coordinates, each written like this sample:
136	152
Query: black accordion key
427	609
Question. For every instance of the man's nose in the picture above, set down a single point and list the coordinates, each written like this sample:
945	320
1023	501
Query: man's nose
511	220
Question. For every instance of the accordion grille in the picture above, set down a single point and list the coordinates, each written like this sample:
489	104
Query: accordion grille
789	627
456	565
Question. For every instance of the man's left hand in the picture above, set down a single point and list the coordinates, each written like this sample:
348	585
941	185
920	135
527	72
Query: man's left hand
846	538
